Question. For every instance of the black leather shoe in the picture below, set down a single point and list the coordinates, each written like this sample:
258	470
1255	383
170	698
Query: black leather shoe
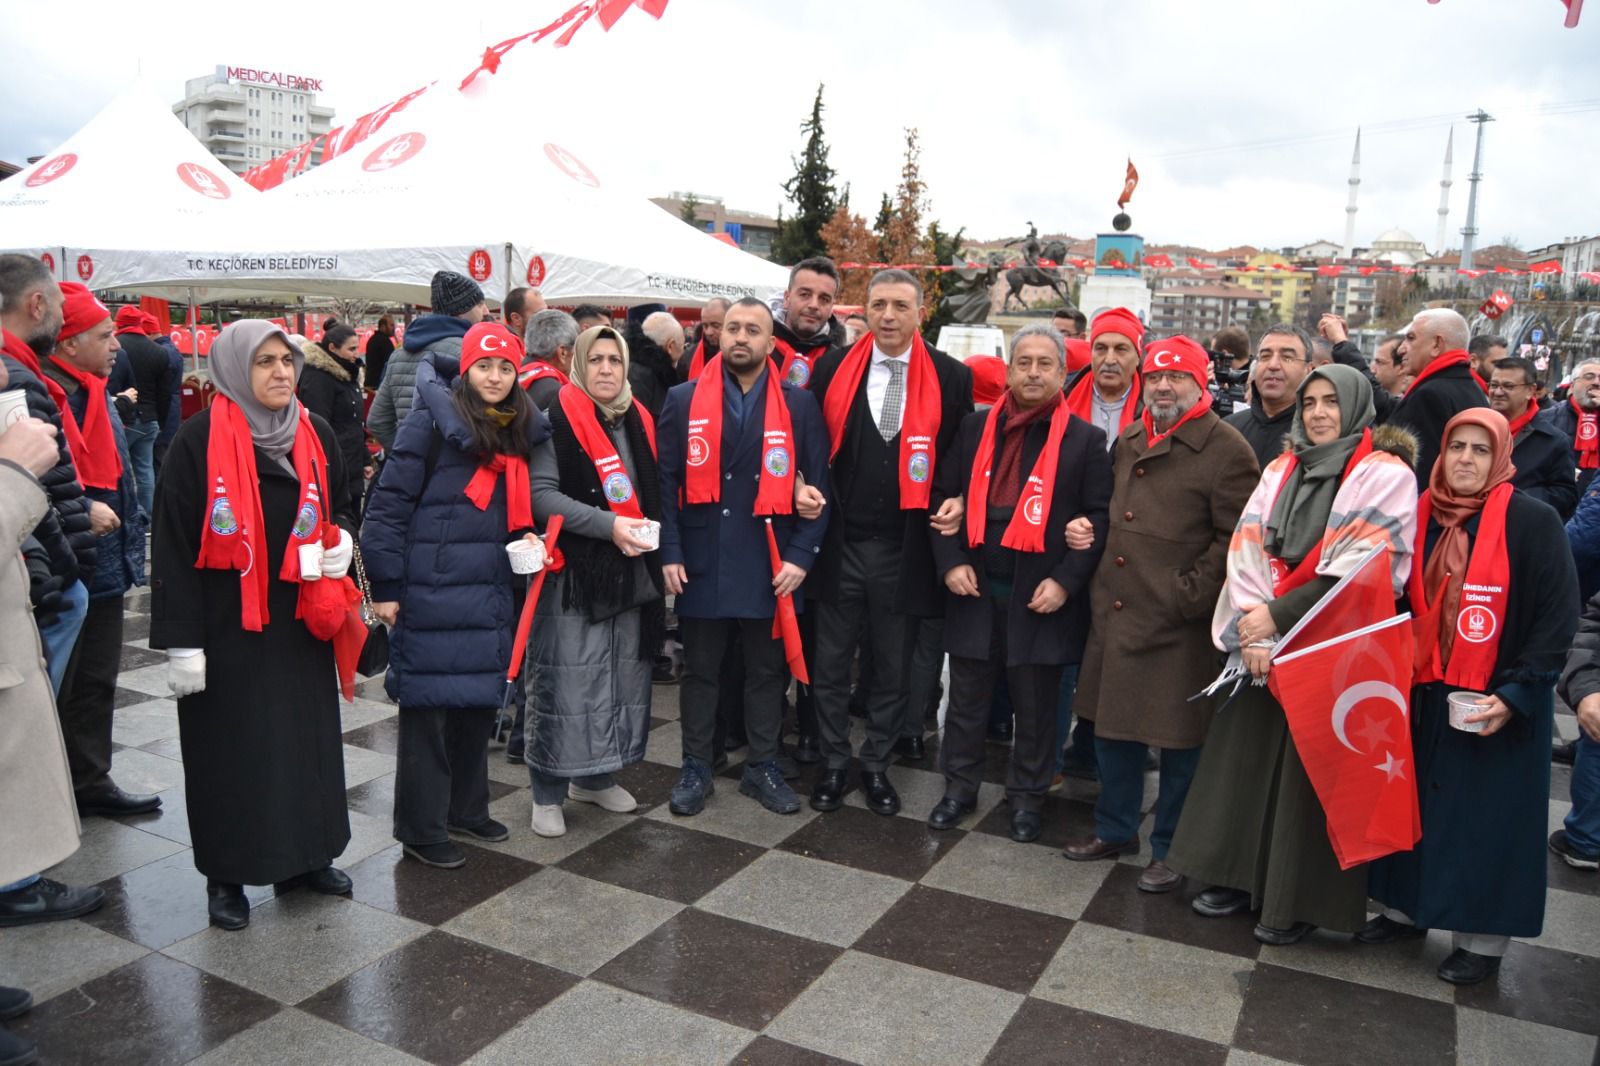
1463	967
16	1050
1219	902
14	1002
828	793
912	748
881	796
948	812
806	751
111	802
1268	934
1001	732
1025	826
48	901
1383	929
330	881
227	906
1564	752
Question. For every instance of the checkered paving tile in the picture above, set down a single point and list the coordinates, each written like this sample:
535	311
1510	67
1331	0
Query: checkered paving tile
737	936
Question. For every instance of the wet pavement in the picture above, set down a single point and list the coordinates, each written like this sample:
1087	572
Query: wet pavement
736	936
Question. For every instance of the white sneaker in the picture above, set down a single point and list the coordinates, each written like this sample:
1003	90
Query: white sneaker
548	821
616	799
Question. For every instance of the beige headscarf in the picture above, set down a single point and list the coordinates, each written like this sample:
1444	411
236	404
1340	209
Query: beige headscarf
580	370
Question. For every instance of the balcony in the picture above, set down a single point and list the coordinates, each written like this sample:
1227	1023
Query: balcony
228	135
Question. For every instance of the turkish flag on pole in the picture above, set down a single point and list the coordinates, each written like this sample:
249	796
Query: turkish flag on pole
784	622
1574	9
1128	185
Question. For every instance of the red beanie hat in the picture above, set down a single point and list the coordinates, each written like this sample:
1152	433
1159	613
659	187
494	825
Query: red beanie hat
80	310
151	324
490	340
130	319
1180	354
988	378
1077	354
1118	320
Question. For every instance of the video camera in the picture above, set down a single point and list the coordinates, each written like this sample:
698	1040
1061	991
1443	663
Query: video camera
1228	383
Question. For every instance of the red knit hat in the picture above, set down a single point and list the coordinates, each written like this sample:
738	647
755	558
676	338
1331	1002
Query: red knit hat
1177	354
490	340
152	325
1118	320
130	319
1077	354
80	310
988	378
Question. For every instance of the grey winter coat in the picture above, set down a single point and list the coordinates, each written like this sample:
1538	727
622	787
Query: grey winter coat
432	333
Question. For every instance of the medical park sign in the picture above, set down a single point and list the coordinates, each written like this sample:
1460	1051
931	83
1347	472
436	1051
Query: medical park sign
276	79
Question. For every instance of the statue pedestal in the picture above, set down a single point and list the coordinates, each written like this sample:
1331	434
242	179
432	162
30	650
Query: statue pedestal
1099	292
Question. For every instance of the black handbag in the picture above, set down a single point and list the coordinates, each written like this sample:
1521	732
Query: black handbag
374	658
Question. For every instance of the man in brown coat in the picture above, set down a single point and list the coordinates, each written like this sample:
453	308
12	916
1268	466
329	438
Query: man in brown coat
1180	478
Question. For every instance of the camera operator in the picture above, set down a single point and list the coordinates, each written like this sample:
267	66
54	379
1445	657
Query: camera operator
1230	369
1282	362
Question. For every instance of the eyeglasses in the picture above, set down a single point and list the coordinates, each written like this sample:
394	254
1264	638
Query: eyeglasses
1501	386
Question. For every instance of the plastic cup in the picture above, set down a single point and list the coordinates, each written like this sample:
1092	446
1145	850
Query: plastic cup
649	532
310	562
13	408
1463	703
526	557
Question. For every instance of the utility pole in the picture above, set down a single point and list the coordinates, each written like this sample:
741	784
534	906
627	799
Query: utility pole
1469	232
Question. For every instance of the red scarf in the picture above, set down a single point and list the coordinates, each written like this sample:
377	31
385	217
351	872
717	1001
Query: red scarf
702	480
535	369
234	531
1523	419
1025	531
94	446
1152	438
1454	357
796	367
919	420
1463	655
1080	401
18	349
697	362
519	499
1586	441
597	444
1283	580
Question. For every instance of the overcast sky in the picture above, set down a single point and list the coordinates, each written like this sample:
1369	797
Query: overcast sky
1027	108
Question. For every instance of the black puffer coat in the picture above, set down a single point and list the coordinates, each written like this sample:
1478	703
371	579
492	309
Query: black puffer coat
65	531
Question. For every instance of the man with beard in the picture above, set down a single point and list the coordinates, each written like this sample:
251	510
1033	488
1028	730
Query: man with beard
1538	451
1282	362
1486	351
709	341
1107	395
1180	479
731	442
1578	421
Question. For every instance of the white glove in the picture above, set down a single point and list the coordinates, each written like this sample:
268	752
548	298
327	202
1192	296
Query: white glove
186	671
336	560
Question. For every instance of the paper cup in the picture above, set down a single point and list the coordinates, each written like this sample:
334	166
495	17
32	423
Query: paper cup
1463	703
310	562
526	558
13	408
649	532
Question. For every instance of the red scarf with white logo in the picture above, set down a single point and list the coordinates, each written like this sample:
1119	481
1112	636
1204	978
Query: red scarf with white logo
233	536
1458	632
1454	357
702	480
535	369
796	366
1152	438
615	485
919	419
1025	531
1586	441
94	445
1081	401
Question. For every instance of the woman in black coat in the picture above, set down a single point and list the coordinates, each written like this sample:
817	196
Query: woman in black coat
328	387
1496	623
455	490
258	712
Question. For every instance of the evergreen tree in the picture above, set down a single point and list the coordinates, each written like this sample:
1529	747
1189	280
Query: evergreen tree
811	191
686	211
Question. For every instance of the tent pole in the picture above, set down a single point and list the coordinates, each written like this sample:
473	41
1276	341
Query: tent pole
194	332
507	292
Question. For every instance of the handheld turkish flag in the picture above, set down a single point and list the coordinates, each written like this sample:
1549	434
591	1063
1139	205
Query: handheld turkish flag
1129	183
784	622
1346	697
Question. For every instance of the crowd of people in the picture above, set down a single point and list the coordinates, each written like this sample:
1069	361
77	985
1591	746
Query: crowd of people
809	503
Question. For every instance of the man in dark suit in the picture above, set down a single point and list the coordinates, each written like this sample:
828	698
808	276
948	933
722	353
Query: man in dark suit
893	408
1443	382
1020	603
1543	458
728	463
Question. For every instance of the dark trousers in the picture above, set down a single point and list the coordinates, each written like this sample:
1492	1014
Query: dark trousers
708	679
966	722
805	702
868	573
730	692
442	776
89	692
1116	812
927	663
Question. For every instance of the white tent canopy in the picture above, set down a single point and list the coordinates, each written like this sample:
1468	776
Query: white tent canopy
442	188
131	183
